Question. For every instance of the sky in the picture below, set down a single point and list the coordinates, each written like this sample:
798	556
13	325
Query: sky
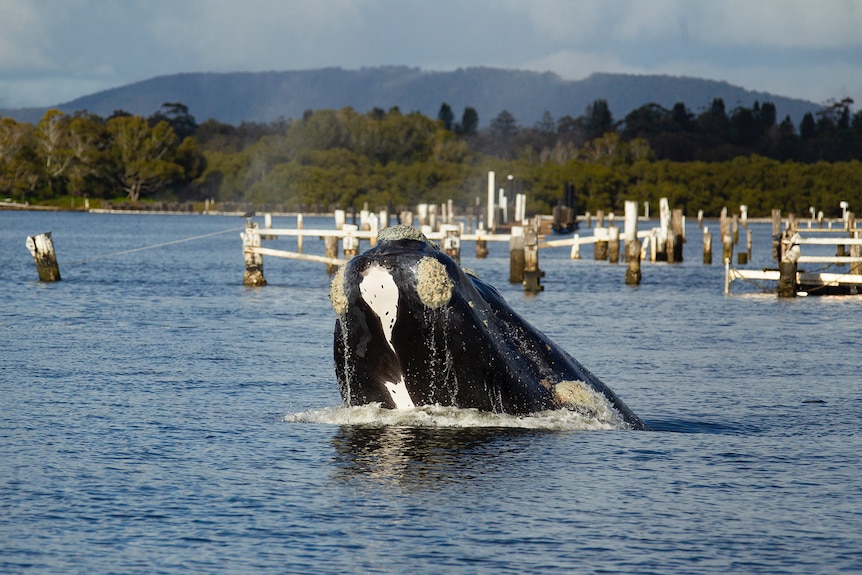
53	51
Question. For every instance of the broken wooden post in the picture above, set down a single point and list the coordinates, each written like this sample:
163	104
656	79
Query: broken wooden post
516	255
632	246
532	273
42	249
253	261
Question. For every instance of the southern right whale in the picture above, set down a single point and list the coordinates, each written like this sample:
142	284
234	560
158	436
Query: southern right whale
413	328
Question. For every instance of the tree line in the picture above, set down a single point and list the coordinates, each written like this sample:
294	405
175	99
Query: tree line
386	158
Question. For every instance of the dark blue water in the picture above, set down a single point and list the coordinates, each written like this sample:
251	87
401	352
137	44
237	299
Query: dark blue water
158	417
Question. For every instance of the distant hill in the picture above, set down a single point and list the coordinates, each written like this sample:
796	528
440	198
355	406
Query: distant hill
265	96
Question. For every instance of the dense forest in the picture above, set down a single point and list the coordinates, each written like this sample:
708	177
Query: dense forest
386	158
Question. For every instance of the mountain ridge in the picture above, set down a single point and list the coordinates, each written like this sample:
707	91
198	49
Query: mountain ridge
235	97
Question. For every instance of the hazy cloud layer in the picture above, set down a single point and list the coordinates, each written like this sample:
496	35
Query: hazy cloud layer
52	51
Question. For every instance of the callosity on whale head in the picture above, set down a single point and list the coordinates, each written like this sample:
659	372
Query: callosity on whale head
413	328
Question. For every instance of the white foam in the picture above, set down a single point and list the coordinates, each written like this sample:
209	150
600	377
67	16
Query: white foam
439	416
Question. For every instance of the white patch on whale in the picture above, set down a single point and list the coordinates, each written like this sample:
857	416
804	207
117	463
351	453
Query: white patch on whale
379	290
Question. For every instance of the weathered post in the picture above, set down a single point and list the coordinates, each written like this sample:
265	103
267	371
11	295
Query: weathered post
676	237
481	248
42	249
253	275
614	244
516	255
632	246
734	228
787	267
452	241
855	249
743	257
776	235
600	247
576	247
532	273
299	237
492	208
707	246
331	243
350	243
267	224
726	237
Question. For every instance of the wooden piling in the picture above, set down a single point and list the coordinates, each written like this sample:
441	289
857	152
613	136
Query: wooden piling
299	237
331	243
787	267
776	235
253	275
676	238
516	255
42	249
614	244
600	247
707	246
350	243
855	249
452	241
532	273
632	246
481	248
576	247
726	237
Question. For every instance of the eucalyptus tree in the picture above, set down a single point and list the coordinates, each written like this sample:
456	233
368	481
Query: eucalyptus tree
141	157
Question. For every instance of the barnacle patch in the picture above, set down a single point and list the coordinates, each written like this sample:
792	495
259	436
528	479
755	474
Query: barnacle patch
580	396
401	232
434	285
337	294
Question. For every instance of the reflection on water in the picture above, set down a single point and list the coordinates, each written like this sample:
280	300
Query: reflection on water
417	456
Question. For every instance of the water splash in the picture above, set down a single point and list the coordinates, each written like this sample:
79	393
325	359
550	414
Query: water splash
450	417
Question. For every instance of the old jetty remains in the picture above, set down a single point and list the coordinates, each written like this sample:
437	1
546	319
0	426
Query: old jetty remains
788	245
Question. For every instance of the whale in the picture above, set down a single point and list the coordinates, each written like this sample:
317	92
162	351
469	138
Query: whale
413	328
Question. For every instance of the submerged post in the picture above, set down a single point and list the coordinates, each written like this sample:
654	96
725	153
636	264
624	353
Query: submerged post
42	249
253	261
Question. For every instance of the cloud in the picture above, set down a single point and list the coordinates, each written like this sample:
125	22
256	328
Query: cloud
54	51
